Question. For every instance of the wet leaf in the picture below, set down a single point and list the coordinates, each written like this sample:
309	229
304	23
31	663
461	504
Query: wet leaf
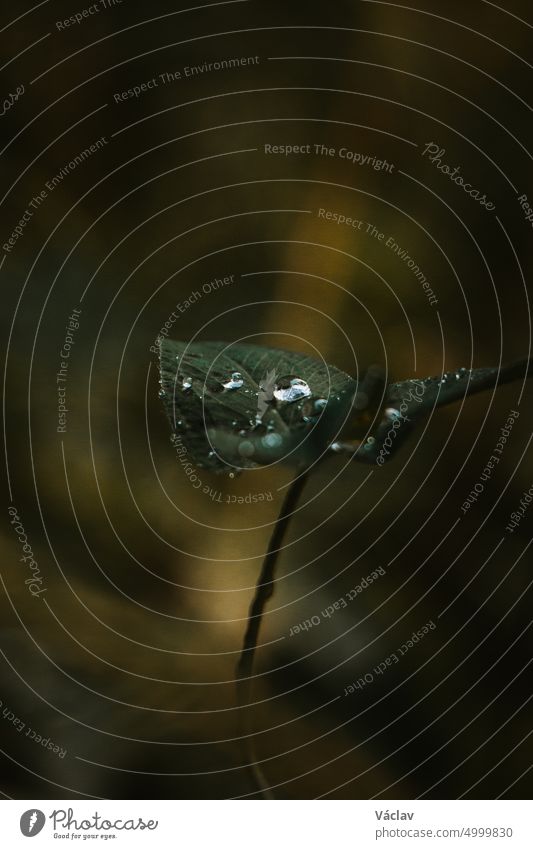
417	397
241	406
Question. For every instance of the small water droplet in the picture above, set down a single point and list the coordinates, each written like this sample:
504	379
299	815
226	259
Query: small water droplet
370	440
232	474
272	440
321	404
292	389
246	448
235	381
242	433
162	393
211	454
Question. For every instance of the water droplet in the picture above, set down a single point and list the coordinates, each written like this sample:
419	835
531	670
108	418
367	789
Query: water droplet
292	389
232	474
242	433
246	448
211	454
321	404
336	446
370	440
272	440
162	393
235	381
186	383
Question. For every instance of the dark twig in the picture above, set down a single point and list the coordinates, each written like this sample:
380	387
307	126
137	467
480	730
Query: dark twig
263	591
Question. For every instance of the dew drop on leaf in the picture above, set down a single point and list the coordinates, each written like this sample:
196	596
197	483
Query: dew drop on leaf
235	381
290	389
246	448
272	440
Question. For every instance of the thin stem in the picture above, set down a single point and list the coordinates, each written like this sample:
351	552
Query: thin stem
263	591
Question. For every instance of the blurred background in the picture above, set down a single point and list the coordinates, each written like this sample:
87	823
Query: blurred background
125	658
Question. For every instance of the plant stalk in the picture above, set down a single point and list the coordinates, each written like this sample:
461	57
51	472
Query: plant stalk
263	592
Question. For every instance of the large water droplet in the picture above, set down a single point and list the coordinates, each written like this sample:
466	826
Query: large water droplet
291	389
186	383
235	381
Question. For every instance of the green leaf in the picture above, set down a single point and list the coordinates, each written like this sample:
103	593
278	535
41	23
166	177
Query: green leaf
241	406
